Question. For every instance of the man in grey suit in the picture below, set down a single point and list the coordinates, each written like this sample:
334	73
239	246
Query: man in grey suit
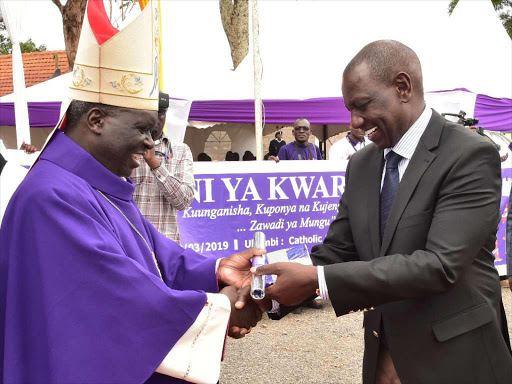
412	243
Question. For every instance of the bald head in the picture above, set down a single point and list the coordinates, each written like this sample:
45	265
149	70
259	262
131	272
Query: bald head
387	58
382	88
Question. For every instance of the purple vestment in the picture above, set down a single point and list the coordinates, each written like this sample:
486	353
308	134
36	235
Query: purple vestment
289	152
80	296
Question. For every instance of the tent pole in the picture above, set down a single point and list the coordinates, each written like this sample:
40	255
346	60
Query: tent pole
258	128
325	141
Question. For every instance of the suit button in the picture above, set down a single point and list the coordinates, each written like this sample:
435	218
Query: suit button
375	334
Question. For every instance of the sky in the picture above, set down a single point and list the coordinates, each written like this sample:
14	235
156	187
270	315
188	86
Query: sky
305	45
44	23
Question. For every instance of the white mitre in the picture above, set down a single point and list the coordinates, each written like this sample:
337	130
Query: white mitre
112	67
118	68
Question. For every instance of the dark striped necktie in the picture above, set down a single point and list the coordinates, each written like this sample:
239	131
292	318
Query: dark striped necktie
389	188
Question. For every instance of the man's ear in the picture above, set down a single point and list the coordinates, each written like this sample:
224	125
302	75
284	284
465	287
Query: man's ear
403	86
96	120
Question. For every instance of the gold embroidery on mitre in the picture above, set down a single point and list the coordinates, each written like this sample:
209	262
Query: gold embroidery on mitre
79	78
130	83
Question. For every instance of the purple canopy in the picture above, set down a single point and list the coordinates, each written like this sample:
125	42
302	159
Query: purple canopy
494	114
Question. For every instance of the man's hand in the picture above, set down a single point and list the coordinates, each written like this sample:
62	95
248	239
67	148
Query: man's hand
295	282
28	148
151	159
241	320
235	269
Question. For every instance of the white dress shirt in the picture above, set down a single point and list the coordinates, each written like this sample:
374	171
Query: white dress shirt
405	148
344	149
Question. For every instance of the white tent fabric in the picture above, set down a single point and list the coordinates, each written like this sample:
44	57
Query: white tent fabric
55	89
482	48
452	102
12	12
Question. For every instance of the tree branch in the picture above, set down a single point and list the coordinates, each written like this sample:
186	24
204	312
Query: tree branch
452	6
58	4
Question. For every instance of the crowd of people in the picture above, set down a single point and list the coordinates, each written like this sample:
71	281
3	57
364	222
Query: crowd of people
103	292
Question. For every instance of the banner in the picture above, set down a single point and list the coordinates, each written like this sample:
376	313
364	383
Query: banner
292	202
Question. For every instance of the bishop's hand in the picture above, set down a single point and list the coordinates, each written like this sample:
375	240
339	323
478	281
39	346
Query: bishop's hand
235	269
242	318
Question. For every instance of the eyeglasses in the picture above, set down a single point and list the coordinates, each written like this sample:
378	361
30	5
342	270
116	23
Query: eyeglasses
305	129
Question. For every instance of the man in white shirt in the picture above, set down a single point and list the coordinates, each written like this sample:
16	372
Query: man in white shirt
344	149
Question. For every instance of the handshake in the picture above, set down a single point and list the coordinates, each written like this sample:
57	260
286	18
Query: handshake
295	283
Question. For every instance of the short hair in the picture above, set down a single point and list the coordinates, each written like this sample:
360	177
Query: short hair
203	157
78	108
299	119
248	156
385	59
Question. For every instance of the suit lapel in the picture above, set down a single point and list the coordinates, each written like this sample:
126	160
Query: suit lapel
373	197
419	163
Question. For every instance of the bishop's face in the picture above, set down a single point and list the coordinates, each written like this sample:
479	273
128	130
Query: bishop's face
125	136
374	107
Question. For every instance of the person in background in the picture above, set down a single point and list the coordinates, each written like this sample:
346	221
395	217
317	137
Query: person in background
301	148
501	149
344	149
203	157
278	142
248	156
28	148
232	156
509	242
164	181
272	154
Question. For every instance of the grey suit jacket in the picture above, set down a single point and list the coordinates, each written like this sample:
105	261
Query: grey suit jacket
432	281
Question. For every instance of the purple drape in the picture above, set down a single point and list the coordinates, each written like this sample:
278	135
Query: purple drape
40	115
329	110
494	114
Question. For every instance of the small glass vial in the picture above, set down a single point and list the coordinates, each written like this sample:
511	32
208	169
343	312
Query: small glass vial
258	282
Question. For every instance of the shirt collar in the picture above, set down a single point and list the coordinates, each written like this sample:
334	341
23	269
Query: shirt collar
409	141
163	139
355	142
65	153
